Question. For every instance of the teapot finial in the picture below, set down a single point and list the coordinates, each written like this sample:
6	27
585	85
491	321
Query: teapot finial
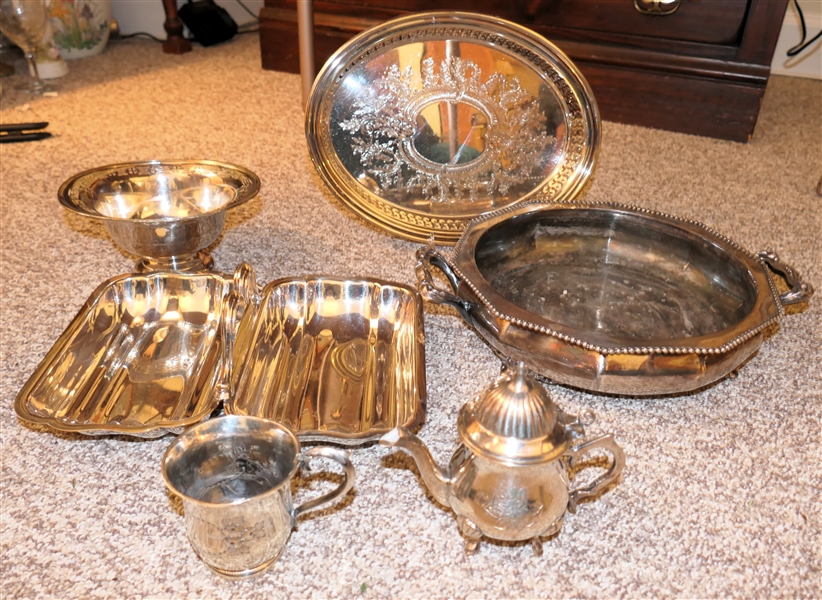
520	380
514	420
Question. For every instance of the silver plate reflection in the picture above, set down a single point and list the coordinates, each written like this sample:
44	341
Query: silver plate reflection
140	358
334	360
427	121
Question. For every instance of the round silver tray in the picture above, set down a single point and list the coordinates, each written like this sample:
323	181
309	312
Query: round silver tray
427	121
612	298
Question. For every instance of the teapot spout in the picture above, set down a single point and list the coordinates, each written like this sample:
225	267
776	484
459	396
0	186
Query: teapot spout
437	480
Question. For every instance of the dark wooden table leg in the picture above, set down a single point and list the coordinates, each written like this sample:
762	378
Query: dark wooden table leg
176	43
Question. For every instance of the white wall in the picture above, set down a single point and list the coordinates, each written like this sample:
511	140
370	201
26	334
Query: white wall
148	15
809	62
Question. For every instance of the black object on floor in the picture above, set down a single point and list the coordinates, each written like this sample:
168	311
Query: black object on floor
209	24
22	132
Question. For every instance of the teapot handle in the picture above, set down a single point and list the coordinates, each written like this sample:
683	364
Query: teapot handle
574	453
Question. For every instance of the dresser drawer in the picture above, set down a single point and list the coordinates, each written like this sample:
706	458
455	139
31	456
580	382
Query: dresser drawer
704	21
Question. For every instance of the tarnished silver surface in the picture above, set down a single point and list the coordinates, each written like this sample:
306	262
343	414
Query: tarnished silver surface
431	119
142	357
612	298
508	479
166	211
335	360
233	474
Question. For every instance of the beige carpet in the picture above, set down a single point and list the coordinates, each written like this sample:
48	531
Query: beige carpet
721	493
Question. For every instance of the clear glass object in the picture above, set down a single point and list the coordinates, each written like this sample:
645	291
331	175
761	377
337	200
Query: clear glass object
24	22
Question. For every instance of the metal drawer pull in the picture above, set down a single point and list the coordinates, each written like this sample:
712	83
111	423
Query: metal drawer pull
657	7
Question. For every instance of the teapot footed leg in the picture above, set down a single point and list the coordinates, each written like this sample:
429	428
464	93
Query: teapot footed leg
472	532
553	529
536	546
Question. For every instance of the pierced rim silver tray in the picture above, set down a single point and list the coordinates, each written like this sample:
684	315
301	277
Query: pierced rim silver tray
143	357
334	360
427	121
612	298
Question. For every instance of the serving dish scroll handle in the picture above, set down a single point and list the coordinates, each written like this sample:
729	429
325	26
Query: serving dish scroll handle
800	291
242	296
573	454
245	282
233	308
426	257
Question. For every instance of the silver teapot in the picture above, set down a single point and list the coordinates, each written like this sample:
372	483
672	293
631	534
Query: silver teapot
508	479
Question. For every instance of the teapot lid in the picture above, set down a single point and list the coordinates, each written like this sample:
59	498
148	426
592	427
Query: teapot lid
514	421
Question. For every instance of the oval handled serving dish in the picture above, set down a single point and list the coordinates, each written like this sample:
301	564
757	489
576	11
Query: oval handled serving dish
611	298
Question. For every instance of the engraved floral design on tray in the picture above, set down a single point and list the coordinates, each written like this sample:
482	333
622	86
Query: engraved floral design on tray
407	134
427	121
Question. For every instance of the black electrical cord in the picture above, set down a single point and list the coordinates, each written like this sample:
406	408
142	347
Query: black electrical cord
190	39
256	20
802	43
138	34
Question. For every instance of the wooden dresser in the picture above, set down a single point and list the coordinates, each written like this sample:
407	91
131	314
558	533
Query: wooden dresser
700	69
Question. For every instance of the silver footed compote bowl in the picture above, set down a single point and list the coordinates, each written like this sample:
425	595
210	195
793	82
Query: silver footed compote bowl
24	23
166	211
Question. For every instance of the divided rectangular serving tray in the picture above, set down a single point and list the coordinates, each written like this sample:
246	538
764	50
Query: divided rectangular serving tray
334	360
140	358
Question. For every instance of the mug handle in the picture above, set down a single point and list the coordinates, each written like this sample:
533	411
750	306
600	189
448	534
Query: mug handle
574	453
342	457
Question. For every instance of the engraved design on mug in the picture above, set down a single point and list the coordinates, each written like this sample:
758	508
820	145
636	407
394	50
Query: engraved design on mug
241	536
237	535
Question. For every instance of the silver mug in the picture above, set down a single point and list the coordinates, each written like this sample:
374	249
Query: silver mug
233	474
